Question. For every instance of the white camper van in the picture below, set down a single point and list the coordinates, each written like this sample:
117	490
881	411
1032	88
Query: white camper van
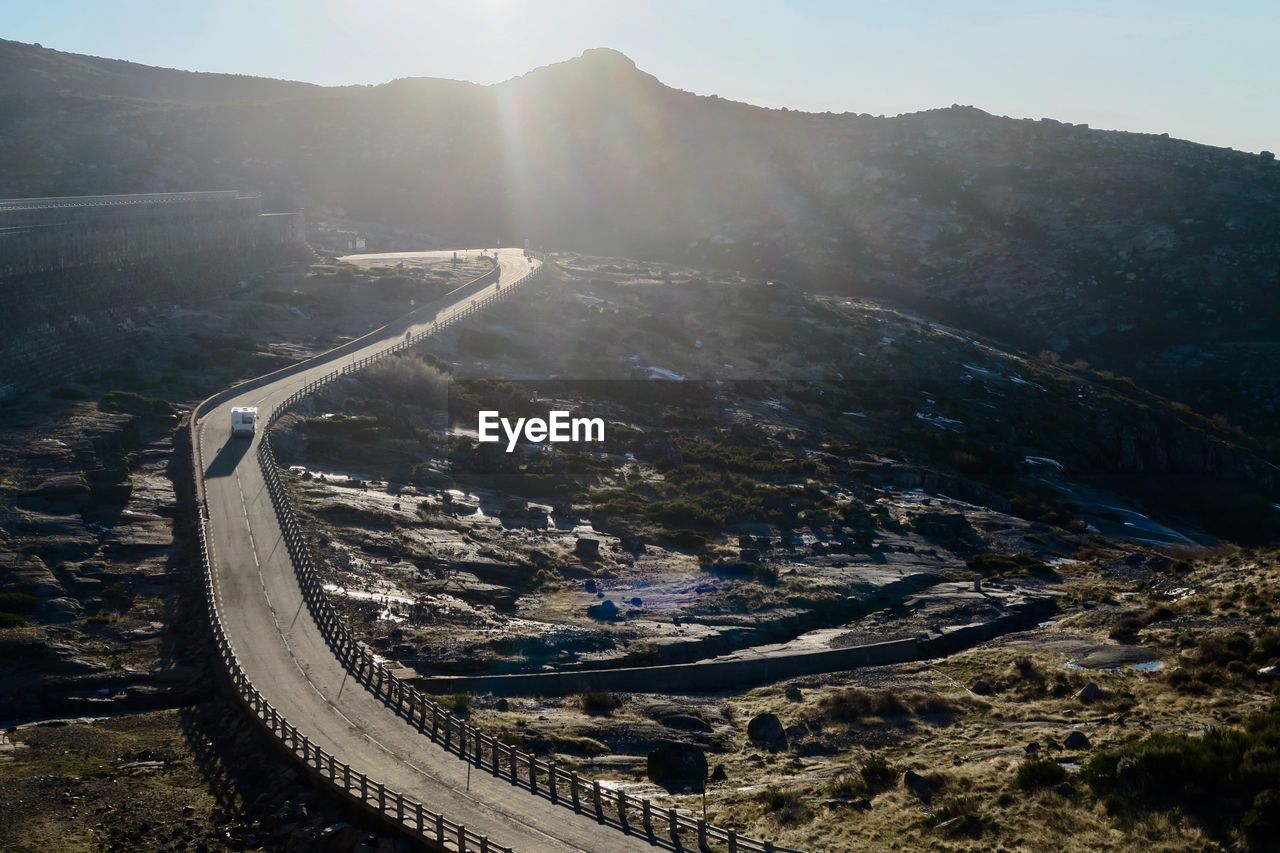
243	420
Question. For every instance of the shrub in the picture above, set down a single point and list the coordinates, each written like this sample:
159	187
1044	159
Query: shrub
767	575
689	539
11	620
128	401
1261	824
1026	668
877	773
786	805
1036	773
846	786
460	705
16	602
853	704
599	702
409	379
1007	564
1225	777
1127	628
963	808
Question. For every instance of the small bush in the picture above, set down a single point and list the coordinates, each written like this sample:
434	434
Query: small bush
1261	824
786	805
687	539
1127	628
1036	773
846	786
958	807
11	620
877	773
1027	670
853	704
767	575
994	564
599	702
16	602
460	705
128	401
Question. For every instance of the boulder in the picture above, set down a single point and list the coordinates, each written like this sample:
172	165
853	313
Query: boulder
1090	693
502	705
678	767
942	526
33	576
339	838
793	694
605	611
65	486
1076	740
982	687
587	549
922	787
685	722
59	610
719	774
766	732
632	544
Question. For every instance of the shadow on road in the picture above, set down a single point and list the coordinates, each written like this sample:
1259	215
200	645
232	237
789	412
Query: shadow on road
228	458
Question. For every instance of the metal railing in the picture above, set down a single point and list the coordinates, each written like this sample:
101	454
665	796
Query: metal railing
411	816
606	804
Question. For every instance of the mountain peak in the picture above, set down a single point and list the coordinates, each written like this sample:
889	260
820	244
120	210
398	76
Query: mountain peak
608	57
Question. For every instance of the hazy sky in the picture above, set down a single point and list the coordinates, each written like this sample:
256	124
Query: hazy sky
1206	71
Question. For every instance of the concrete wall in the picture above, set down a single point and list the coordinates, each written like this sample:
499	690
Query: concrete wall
678	678
734	674
61	235
84	280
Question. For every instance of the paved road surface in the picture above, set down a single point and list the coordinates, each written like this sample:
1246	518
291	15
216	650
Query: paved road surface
285	656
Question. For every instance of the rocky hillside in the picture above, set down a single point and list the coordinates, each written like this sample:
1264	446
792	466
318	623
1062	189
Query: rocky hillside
1151	256
32	70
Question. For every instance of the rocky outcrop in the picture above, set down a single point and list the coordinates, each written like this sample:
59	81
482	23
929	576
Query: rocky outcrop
678	767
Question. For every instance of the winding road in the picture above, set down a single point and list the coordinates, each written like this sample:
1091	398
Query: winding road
285	655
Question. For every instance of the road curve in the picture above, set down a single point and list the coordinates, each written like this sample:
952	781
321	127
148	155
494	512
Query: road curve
285	656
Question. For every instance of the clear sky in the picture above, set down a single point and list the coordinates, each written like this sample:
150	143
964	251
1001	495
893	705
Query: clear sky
1206	71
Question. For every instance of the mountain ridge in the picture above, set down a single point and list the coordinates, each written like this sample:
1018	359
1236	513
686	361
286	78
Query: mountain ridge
1154	257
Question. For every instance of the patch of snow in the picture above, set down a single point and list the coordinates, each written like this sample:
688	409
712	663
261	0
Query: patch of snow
1046	462
663	373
